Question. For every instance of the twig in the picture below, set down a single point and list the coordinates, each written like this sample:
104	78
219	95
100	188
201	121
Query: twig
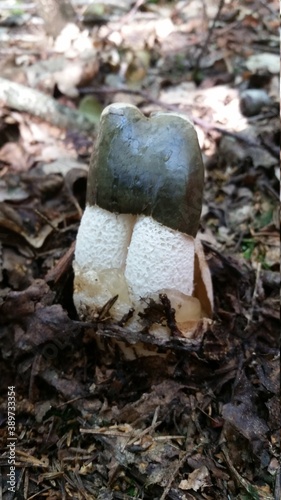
255	292
268	7
45	219
235	271
251	489
46	488
277	489
173	475
126	18
209	35
144	432
62	266
129	16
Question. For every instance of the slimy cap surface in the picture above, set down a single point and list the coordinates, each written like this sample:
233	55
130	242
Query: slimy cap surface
150	166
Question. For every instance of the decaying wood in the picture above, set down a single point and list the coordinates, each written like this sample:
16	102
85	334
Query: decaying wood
17	96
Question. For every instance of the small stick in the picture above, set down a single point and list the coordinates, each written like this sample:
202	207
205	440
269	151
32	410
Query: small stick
268	7
255	292
173	475
54	274
209	35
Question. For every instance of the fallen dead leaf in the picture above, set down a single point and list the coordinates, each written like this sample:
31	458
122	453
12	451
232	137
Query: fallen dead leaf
197	480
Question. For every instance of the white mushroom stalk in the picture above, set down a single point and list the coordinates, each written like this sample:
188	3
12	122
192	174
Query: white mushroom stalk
136	240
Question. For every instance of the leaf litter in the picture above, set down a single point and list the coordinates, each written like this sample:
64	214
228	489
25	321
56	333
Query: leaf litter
194	419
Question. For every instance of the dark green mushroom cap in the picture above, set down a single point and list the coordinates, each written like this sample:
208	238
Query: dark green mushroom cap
150	166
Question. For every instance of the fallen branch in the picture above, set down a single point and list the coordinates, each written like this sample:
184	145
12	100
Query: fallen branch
19	97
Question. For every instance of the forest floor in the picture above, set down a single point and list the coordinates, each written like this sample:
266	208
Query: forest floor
90	424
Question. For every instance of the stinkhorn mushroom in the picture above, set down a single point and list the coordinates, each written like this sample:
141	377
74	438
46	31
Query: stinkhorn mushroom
136	240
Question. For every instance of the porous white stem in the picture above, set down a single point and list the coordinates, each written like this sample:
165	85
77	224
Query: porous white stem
103	239
159	258
100	255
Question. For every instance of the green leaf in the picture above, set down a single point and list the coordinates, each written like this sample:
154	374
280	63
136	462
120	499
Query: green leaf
92	108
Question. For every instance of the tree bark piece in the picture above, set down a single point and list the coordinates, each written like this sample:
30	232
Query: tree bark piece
17	96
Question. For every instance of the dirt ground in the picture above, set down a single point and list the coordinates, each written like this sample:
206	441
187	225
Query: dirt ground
197	418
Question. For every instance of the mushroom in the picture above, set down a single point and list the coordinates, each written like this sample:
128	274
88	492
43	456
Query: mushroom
136	241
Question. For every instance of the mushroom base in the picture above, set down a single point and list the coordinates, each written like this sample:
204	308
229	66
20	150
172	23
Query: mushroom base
105	295
149	277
